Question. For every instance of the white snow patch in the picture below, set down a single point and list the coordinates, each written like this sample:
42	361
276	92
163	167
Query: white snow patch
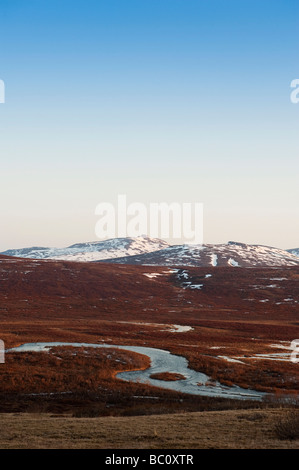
214	259
232	262
230	359
184	274
163	326
152	275
181	328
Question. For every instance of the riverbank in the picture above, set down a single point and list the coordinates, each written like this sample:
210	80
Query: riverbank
161	361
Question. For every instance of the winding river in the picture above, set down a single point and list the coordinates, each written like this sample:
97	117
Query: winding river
195	383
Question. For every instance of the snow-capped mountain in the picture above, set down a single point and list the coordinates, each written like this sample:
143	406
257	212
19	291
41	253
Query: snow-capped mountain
231	254
93	251
152	251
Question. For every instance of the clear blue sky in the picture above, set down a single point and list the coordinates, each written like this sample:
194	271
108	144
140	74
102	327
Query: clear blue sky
162	100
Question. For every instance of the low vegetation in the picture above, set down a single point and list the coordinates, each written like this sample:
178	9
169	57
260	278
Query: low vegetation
287	426
230	429
167	376
115	304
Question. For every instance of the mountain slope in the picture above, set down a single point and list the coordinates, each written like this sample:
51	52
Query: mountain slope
294	251
92	251
232	254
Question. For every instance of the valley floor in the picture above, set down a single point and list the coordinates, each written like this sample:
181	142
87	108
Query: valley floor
230	429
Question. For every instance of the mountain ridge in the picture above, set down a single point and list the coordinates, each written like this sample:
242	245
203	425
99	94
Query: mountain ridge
294	251
234	254
152	251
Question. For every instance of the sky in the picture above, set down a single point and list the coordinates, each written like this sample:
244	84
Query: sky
161	100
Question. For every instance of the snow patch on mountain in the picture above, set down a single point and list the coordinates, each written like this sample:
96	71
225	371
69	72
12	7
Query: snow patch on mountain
214	259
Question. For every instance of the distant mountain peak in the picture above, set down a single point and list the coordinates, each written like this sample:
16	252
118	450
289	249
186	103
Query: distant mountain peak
237	244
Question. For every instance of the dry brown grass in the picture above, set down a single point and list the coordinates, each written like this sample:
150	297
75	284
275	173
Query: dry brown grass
287	427
241	429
